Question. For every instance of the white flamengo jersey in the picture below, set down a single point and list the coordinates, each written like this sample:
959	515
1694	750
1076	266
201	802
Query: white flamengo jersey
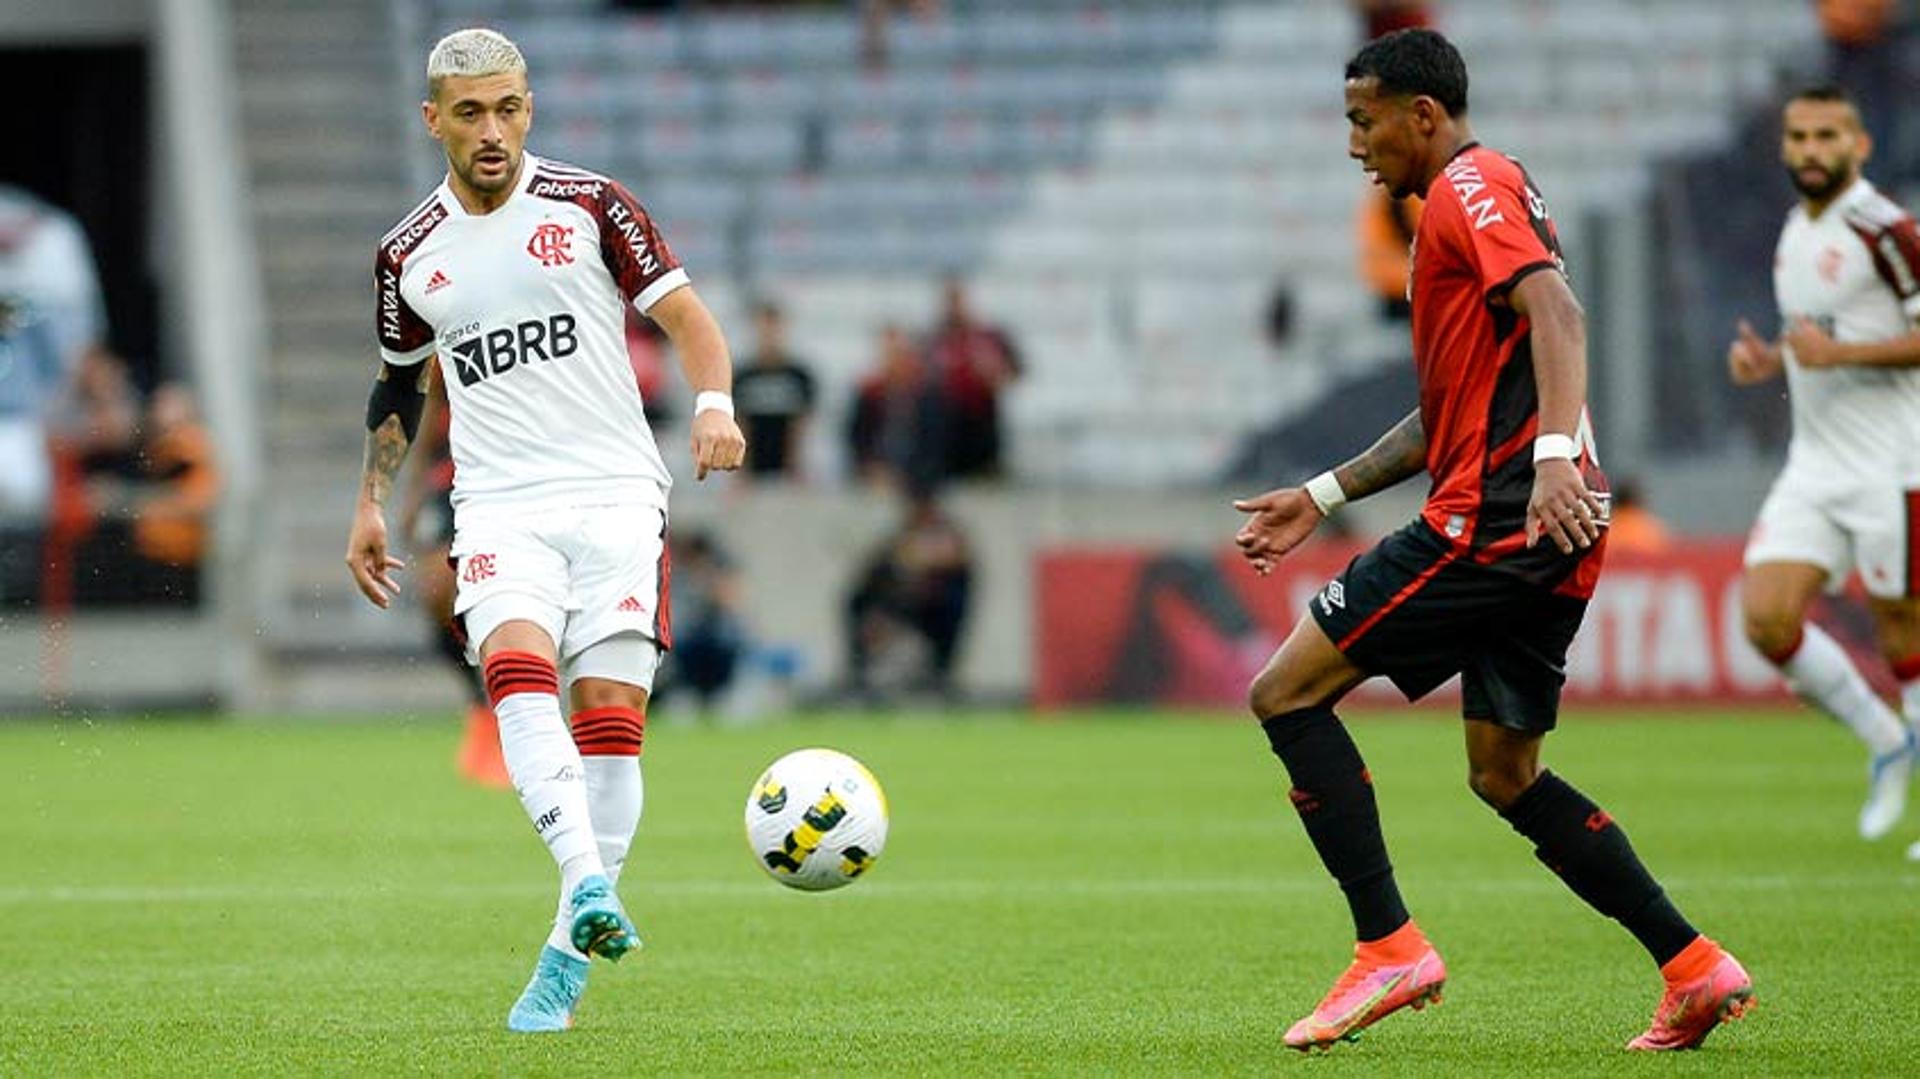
526	308
1855	272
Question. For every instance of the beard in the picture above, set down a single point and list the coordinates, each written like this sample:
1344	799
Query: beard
1831	181
472	177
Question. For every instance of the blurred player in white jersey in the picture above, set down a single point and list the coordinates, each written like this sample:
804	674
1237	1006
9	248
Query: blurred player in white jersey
516	273
1847	278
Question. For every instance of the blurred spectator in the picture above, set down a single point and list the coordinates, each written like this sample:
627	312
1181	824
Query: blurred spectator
647	355
1379	17
1634	527
95	426
1861	57
897	433
50	317
708	637
910	600
151	533
171	522
1384	230
773	395
974	361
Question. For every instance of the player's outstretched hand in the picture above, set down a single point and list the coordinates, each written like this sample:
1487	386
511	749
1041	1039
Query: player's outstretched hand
1750	358
1280	521
1562	509
717	443
367	556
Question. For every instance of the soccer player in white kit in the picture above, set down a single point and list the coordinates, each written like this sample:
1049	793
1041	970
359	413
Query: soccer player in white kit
515	273
1847	278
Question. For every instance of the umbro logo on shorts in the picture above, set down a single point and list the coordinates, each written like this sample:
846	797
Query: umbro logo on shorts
1334	595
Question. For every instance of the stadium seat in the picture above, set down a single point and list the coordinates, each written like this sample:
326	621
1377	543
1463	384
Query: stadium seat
870	142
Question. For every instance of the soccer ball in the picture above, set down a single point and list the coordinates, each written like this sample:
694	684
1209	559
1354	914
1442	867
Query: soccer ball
816	820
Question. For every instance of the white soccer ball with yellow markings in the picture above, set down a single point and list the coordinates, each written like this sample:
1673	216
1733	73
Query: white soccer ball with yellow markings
816	820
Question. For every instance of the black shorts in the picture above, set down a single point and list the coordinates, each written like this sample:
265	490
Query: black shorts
1419	612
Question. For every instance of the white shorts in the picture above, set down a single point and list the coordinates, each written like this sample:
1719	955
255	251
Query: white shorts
1875	530
585	574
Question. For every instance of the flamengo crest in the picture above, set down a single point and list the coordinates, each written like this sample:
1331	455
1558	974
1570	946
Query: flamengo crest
551	244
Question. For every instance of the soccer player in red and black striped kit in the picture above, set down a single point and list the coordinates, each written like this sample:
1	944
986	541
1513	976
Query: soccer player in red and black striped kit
1492	579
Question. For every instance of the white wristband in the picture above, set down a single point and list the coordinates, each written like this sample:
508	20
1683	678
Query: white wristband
712	399
1554	448
1326	493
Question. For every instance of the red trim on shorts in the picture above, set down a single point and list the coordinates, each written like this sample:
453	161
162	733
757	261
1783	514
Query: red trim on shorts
662	608
1913	544
457	623
615	731
1399	598
1501	548
508	673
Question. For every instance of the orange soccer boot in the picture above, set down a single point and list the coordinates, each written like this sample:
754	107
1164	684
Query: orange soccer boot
1388	974
1705	987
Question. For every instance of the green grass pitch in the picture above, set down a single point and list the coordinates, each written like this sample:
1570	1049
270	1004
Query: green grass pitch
1098	895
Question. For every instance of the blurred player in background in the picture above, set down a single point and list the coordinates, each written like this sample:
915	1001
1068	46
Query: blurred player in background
427	522
516	273
1490	582
1847	278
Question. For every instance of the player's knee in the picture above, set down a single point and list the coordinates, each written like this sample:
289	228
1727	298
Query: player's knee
608	693
1274	693
1771	632
1499	783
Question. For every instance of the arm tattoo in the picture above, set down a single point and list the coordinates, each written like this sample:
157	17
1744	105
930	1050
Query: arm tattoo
386	448
1399	453
393	418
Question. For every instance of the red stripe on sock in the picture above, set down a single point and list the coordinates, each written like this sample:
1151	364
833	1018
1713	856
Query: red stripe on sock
508	673
610	732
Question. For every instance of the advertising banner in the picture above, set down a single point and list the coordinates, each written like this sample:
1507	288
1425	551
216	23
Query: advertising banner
1184	629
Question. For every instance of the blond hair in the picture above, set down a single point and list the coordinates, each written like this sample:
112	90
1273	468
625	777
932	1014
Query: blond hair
473	52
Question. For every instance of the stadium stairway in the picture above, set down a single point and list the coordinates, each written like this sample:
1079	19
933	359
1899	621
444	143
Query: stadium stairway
323	111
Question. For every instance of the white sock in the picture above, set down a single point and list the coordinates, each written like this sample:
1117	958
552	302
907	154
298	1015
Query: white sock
1910	702
616	795
547	773
1822	675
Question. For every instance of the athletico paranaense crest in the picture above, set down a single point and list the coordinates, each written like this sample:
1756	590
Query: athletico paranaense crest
552	244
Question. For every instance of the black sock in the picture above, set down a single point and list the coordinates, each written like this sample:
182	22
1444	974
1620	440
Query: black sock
1334	796
1581	843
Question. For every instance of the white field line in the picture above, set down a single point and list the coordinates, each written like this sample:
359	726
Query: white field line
880	890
